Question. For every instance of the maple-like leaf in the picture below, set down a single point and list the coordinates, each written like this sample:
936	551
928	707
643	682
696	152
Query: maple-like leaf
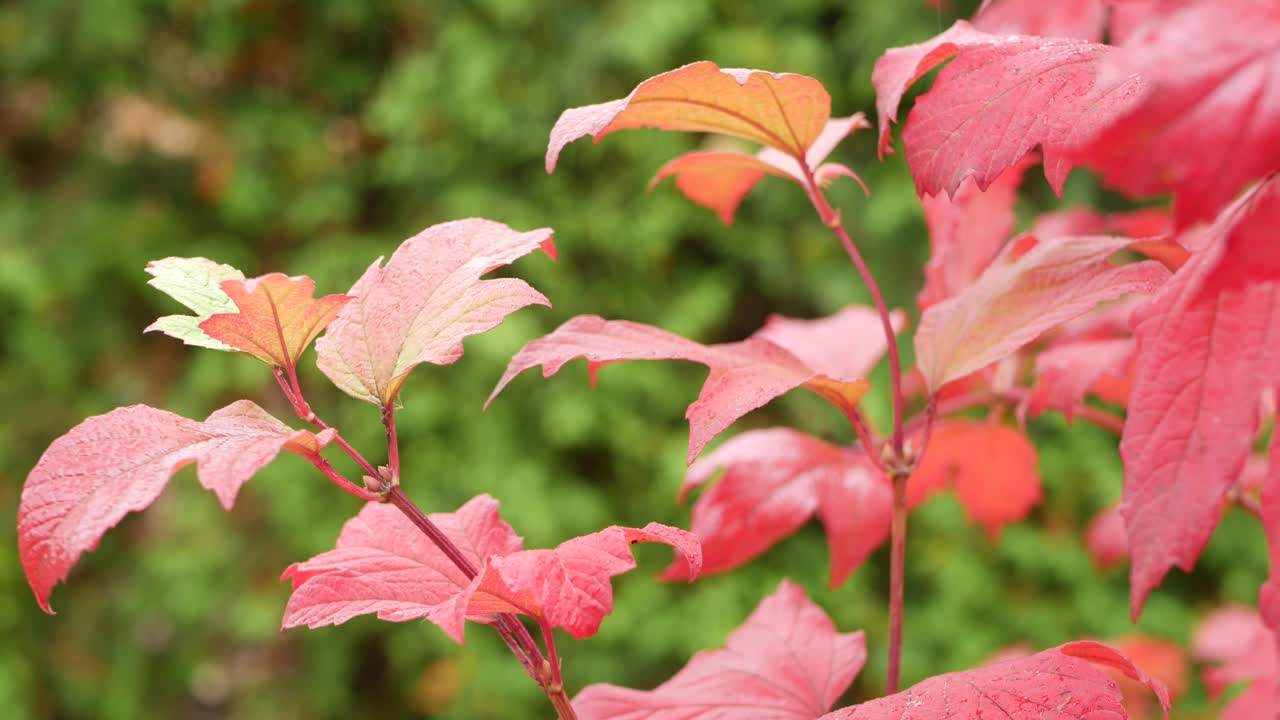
774	481
1159	658
1062	683
278	317
1203	360
744	375
719	179
423	302
114	464
966	232
1067	372
1154	225
383	565
991	466
1079	19
569	586
197	284
1198	99
1001	97
1015	301
785	662
782	111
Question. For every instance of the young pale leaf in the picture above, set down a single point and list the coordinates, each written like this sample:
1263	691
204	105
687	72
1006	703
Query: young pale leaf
774	481
718	180
423	302
782	111
1062	683
1208	120
1000	98
114	464
992	467
383	565
1206	349
197	284
786	662
744	375
1106	538
1012	303
278	317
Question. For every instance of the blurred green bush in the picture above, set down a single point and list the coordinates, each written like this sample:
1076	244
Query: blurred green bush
312	138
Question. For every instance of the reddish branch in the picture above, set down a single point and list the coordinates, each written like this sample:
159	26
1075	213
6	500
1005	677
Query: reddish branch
513	632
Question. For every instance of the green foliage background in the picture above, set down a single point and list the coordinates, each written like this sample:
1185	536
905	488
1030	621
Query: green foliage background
314	137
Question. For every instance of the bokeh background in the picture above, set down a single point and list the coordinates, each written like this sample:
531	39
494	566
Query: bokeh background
312	138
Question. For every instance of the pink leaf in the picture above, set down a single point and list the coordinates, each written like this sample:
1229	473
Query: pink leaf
744	375
277	319
1202	362
784	111
786	662
999	99
1244	651
1060	683
1200	99
1269	596
774	481
384	565
1012	303
1079	19
569	587
111	465
966	232
423	302
1066	373
1106	537
992	467
718	180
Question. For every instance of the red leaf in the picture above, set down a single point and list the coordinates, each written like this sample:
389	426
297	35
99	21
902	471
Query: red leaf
966	232
774	481
744	375
569	587
1000	98
718	180
784	111
1057	683
111	465
1066	373
278	317
383	565
423	302
1200	98
992	466
1202	362
1106	537
1080	19
1269	596
1159	658
1012	303
786	662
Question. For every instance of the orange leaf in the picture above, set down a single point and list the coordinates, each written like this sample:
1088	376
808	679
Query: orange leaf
993	468
783	111
278	318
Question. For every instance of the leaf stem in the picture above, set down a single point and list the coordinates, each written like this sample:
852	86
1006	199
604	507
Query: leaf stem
866	438
831	218
897	580
338	479
393	445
